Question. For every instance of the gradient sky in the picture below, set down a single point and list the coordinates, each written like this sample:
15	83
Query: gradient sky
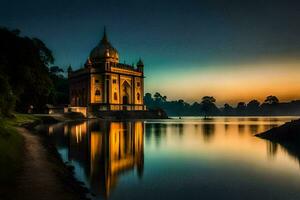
233	50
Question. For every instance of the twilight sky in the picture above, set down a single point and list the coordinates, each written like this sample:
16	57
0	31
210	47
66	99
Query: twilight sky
233	50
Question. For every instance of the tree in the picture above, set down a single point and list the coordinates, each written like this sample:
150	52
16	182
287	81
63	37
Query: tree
24	64
241	108
208	105
148	100
56	70
208	99
271	100
159	98
7	99
60	94
228	110
253	107
270	105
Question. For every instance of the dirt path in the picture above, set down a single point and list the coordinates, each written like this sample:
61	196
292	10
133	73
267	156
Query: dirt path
39	179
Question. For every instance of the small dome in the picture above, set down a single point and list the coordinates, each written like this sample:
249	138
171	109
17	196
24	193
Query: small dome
104	51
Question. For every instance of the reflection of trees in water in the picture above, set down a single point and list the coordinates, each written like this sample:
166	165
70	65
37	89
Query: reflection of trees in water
157	131
226	127
105	150
177	129
272	149
241	128
253	128
208	131
196	126
292	149
180	129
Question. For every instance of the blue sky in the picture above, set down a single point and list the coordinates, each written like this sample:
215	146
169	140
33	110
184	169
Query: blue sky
177	40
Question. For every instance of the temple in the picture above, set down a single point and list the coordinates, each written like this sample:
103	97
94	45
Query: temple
104	84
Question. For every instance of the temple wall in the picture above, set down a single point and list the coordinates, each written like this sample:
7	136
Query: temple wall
138	90
115	93
97	88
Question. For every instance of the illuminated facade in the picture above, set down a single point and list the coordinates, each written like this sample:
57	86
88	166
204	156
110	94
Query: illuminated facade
106	84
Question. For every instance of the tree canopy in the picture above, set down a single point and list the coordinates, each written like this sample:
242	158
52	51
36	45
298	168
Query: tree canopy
25	75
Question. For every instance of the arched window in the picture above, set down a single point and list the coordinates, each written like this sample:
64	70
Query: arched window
97	93
138	96
97	96
115	96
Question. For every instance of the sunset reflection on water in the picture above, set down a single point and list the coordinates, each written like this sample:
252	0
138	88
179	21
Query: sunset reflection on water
174	158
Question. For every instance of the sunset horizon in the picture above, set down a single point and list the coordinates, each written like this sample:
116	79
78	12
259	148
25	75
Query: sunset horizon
149	99
230	52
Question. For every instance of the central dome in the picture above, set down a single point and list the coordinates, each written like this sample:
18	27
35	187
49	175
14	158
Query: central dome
104	51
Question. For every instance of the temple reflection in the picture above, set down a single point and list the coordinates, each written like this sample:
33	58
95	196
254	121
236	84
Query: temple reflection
108	157
102	150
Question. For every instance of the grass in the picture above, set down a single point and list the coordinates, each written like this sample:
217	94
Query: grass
11	149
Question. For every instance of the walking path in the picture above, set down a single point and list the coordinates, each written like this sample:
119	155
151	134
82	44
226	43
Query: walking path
39	179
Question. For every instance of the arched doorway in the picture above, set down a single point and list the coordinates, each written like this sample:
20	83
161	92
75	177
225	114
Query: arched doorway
125	99
125	102
126	94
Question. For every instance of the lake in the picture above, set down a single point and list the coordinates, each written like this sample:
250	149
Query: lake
188	158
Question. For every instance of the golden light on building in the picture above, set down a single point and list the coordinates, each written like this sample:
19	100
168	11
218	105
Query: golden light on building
96	147
106	84
106	150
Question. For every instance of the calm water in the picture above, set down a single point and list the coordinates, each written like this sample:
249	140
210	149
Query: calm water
187	158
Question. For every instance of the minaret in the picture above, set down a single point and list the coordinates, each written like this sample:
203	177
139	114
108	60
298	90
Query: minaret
140	65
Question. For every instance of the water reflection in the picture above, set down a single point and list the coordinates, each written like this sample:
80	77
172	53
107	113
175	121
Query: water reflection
208	131
272	149
172	159
102	150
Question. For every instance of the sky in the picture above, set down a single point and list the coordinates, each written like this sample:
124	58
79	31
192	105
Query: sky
231	49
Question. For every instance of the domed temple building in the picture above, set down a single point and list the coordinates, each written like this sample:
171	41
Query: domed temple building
104	84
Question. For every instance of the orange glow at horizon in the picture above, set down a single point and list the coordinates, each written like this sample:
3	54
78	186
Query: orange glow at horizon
231	84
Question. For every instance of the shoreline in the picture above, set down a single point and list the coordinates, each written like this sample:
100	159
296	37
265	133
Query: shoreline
288	132
42	173
286	135
69	187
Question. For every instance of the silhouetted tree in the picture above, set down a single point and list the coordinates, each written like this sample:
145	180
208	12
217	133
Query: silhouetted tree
208	105
228	110
270	105
148	100
24	64
182	108
56	70
7	99
271	100
241	108
60	94
253	107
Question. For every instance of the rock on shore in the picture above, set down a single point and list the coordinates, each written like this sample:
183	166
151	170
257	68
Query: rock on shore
288	132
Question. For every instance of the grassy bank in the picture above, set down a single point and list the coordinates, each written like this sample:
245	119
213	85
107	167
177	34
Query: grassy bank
16	165
11	149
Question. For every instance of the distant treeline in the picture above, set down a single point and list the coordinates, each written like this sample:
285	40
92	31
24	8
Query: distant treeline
206	107
27	82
